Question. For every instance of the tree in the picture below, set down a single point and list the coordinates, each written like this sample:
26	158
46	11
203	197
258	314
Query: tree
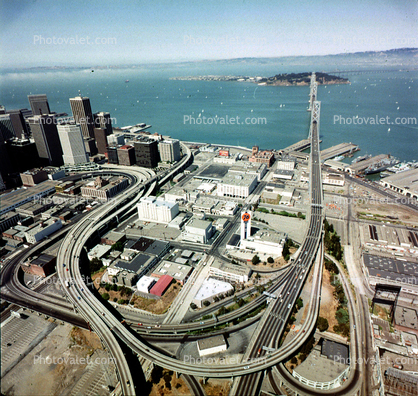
270	260
299	303
322	323
255	260
342	316
221	311
118	246
95	264
105	296
206	303
294	360
193	306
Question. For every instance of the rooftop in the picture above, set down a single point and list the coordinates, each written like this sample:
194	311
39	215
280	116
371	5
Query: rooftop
231	268
238	180
135	265
197	223
212	287
407	179
211	342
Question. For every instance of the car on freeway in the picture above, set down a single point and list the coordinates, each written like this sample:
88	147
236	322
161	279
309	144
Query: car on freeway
246	367
289	306
202	322
139	324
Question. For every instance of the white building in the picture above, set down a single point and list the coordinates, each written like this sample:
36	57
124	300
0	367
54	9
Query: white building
197	230
284	174
228	208
98	251
145	284
230	272
157	209
286	163
333	179
265	242
211	288
237	185
211	345
220	159
73	148
42	230
169	150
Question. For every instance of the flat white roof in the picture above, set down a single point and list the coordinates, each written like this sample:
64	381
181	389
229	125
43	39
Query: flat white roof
211	287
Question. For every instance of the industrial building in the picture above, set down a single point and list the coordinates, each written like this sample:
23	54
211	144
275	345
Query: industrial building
197	230
211	288
211	345
17	198
333	179
156	209
284	174
286	162
237	185
405	183
43	265
150	246
169	150
267	242
8	220
180	272
161	286
264	157
99	251
249	168
33	176
113	237
229	272
42	230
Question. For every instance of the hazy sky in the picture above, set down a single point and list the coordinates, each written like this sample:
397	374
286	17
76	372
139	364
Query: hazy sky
55	32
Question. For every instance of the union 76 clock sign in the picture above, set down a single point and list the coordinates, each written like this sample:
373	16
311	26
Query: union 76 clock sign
246	217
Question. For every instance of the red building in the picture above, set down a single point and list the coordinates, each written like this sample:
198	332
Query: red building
162	285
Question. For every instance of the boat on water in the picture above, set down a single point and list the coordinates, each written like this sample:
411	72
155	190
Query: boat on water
338	158
361	158
381	166
126	81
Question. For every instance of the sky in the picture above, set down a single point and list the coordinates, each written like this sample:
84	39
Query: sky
91	33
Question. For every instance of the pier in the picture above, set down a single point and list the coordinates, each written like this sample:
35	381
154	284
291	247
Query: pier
361	166
339	149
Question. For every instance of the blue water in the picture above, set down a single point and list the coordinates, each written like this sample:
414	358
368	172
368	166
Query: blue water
152	98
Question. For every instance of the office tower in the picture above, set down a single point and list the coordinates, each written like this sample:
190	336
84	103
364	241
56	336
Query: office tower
126	155
72	143
7	130
39	104
45	133
101	140
169	150
18	122
112	155
80	106
146	153
103	120
90	145
23	155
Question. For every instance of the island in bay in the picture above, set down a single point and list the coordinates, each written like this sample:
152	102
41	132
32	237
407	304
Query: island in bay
285	79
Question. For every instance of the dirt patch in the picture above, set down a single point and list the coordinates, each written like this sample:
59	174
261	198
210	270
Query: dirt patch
394	214
169	385
216	387
278	261
160	305
329	304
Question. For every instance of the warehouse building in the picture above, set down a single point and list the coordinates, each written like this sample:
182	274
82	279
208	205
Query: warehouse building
229	272
211	345
161	286
145	284
405	183
197	230
157	209
211	288
237	185
42	230
180	272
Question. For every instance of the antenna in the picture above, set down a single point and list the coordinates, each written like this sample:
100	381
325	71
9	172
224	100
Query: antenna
79	93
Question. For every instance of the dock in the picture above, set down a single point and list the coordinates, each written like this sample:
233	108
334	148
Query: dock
299	146
339	149
361	166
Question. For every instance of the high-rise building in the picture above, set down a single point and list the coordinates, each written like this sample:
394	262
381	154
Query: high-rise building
80	106
6	127
126	155
101	140
22	155
146	152
45	133
39	104
90	145
103	120
169	150
112	155
18	122
72	144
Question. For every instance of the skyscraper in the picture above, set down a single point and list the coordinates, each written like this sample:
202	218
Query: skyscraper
103	120
80	106
101	140
45	133
39	104
18	122
7	130
72	144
